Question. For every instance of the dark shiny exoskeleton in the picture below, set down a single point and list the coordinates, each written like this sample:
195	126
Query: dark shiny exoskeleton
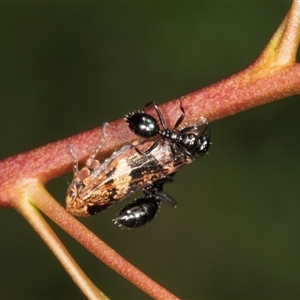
189	140
143	210
138	212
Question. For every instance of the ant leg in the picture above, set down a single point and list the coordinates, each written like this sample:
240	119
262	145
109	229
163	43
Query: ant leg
178	122
165	198
193	128
174	152
148	150
160	116
207	127
148	105
186	152
151	147
158	184
156	190
139	151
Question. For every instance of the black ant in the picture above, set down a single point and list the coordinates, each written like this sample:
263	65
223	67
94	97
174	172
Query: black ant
142	210
189	140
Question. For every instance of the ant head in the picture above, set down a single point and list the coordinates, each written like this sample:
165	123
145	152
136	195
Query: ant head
203	144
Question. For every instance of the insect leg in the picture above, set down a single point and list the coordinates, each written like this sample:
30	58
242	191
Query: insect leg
160	116
156	189
101	142
149	149
178	122
75	165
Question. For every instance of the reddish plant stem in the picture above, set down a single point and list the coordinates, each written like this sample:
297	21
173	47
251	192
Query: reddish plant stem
38	223
227	97
274	75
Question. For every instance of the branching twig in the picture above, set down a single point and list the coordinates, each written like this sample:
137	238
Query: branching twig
273	75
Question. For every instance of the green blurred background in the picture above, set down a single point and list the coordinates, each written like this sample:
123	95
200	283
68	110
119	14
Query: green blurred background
68	67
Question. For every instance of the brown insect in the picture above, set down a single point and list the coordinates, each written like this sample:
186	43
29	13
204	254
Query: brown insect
99	185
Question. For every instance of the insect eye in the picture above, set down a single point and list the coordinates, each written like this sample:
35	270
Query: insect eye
142	124
72	193
203	145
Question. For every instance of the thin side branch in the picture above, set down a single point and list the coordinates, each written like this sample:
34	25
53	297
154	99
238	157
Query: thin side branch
33	216
288	48
49	206
274	75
